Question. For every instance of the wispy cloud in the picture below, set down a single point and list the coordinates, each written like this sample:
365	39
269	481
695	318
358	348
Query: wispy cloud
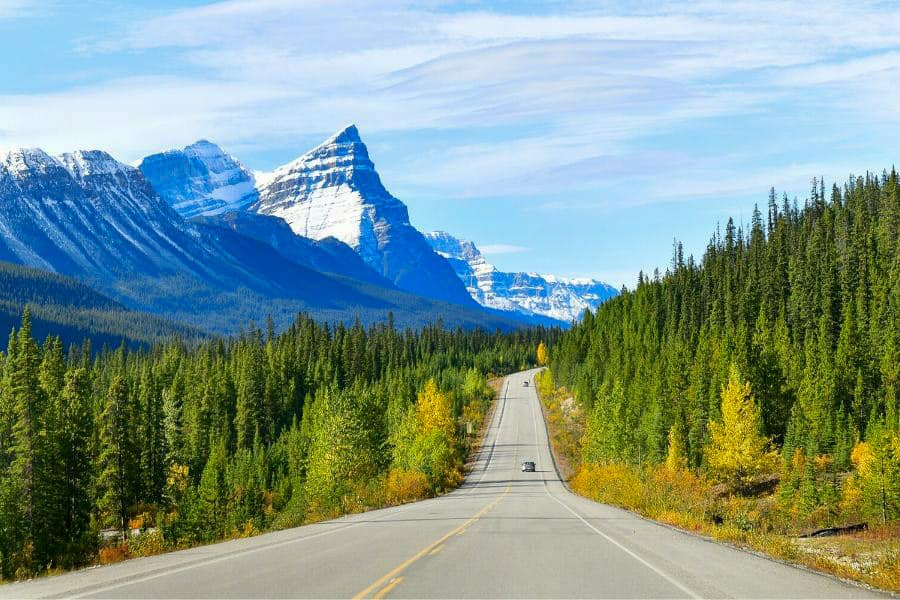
13	9
132	115
592	92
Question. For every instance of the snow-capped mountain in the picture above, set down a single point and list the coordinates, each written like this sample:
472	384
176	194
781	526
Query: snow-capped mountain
527	293
334	191
200	179
86	214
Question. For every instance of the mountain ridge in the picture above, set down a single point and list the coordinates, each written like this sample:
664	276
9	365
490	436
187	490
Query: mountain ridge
334	191
529	293
88	216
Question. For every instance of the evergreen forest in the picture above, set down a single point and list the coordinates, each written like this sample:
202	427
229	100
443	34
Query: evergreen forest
769	366
136	450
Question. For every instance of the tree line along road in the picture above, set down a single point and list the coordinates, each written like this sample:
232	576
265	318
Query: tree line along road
502	534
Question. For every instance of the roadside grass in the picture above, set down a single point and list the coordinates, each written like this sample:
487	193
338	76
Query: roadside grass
565	423
687	500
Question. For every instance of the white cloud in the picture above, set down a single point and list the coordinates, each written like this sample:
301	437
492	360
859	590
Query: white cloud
581	89
131	116
840	71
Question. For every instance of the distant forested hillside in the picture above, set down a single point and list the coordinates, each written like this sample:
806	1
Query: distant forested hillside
802	304
74	311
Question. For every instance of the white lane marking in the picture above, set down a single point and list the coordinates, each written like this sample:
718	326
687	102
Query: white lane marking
630	553
656	570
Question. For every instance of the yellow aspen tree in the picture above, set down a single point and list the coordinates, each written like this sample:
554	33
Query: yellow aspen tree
737	451
434	413
675	458
542	355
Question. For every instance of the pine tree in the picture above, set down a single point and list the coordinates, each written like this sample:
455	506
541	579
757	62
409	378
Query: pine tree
115	456
153	450
213	493
50	484
75	466
22	493
250	415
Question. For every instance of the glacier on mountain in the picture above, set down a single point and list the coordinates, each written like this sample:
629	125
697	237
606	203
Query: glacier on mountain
200	179
527	293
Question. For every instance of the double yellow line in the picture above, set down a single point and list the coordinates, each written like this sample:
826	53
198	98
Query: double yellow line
391	578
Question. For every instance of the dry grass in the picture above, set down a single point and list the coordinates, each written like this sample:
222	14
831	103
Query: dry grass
564	424
871	556
113	554
687	501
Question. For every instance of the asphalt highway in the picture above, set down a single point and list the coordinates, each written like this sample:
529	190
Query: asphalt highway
502	534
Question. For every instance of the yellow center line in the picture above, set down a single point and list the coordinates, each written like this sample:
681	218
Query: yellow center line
436	550
402	566
384	591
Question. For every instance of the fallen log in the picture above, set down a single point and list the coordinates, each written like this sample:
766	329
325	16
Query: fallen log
829	531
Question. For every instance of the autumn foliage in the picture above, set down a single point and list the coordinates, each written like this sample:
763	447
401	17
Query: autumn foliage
542	355
737	451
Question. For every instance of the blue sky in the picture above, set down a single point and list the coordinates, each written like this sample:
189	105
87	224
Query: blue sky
574	138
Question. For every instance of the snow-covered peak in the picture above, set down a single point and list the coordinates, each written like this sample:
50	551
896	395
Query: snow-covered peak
204	148
334	191
212	155
569	280
83	163
342	155
19	161
449	246
527	293
86	213
348	135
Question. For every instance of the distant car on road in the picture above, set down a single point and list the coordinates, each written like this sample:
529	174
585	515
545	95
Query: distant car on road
528	466
525	383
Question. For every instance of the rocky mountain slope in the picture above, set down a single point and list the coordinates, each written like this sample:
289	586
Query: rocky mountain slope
334	191
527	293
88	215
328	255
200	179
